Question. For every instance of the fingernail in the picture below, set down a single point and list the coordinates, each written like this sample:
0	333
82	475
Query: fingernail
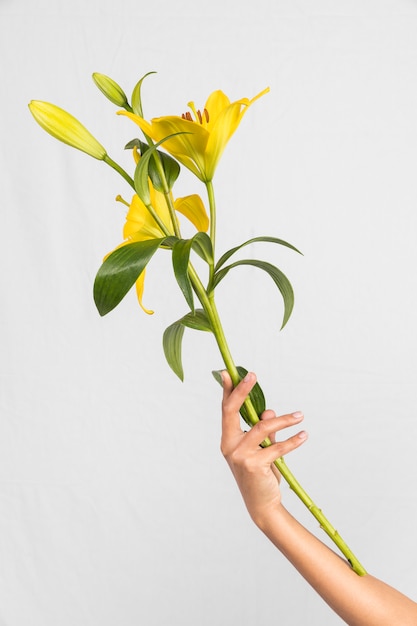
249	376
303	434
297	415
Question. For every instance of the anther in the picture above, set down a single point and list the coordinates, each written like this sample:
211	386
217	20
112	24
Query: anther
206	115
199	116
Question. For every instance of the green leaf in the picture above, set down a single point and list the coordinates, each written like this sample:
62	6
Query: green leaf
172	339
256	395
142	171
277	276
170	166
197	320
171	170
201	244
132	143
120	271
180	259
136	96
172	343
229	253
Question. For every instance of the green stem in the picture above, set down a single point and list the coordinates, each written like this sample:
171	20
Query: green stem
158	220
212	206
211	310
119	170
173	215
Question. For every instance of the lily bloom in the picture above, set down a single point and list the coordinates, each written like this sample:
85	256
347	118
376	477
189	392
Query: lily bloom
204	135
140	225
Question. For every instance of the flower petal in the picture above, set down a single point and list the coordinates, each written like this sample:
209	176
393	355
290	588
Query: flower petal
193	208
139	292
216	102
140	225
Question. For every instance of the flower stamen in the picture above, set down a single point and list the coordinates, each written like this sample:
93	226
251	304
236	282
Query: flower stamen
197	114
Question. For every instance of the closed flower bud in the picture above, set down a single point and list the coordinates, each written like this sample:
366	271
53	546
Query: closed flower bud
110	89
66	128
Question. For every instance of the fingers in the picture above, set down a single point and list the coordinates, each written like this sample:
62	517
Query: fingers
267	428
282	448
270	424
233	398
268	415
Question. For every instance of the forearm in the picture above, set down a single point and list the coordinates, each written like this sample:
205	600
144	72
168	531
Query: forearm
358	600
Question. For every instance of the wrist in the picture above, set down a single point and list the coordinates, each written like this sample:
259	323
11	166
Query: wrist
271	520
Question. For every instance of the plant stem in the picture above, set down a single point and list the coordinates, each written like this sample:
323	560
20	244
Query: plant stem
119	170
209	306
212	205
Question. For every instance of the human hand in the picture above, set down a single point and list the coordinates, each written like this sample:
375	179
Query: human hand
251	465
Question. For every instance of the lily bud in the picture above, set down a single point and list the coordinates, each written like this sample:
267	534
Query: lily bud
66	128
110	89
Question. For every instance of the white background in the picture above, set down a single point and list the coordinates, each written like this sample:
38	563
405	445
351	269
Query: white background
116	506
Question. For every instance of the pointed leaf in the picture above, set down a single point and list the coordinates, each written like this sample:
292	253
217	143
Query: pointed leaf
180	259
173	335
134	143
172	343
171	170
229	253
201	244
197	320
277	276
136	96
120	271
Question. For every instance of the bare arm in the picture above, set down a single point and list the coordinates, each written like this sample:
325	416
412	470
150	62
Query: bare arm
358	600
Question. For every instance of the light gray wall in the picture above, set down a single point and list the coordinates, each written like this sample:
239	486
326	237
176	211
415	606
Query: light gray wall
115	504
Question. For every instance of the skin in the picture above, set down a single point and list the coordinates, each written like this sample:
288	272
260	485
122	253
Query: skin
358	600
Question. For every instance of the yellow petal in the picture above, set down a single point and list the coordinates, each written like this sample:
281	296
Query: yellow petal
216	102
194	210
140	225
225	125
139	292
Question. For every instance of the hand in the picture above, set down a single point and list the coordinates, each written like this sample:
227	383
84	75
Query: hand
251	465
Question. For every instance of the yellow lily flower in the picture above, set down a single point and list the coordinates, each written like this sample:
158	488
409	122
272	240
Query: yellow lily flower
66	128
140	225
203	138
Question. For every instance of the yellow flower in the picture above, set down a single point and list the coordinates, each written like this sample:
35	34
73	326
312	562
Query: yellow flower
203	137
140	225
66	128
